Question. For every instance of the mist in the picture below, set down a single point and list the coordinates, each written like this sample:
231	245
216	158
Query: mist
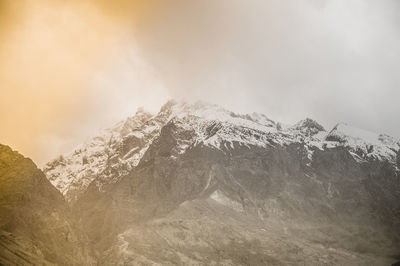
332	60
69	68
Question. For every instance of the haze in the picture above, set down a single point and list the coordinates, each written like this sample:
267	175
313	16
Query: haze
68	68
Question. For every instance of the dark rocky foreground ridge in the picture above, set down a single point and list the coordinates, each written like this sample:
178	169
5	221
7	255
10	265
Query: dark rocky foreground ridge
36	225
199	185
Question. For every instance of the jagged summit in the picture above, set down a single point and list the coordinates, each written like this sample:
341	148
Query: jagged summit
116	150
308	126
105	158
344	133
364	144
210	111
215	179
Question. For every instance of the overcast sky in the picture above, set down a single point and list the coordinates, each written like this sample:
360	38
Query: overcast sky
68	68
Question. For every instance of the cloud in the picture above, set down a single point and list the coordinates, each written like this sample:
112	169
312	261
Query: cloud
70	67
333	60
50	58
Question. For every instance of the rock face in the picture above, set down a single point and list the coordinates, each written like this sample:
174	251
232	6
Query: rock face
36	227
216	188
197	184
308	127
105	158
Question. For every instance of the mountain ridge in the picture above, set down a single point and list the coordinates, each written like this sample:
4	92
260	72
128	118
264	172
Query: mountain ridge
121	147
36	225
197	184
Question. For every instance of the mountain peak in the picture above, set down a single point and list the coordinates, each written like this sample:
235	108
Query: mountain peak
308	126
141	111
364	144
168	105
114	153
209	111
343	132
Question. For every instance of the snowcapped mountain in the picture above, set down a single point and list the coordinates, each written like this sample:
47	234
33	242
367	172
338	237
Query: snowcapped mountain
196	184
308	127
364	145
218	188
104	159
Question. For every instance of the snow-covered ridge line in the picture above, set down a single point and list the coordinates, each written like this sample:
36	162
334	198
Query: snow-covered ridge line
116	151
106	157
364	144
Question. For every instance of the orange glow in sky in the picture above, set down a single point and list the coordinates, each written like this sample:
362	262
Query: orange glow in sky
49	55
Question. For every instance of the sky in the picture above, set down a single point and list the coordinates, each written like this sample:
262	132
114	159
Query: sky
71	67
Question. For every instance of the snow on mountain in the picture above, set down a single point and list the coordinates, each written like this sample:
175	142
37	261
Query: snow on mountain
104	159
211	112
364	144
112	154
308	127
217	127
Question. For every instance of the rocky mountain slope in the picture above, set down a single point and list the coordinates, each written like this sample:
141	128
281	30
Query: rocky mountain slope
198	184
36	226
105	158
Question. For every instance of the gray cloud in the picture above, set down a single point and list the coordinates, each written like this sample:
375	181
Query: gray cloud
332	60
91	63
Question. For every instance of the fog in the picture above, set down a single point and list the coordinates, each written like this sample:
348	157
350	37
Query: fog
69	68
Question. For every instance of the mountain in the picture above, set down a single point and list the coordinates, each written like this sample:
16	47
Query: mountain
36	226
308	127
365	145
105	158
197	184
